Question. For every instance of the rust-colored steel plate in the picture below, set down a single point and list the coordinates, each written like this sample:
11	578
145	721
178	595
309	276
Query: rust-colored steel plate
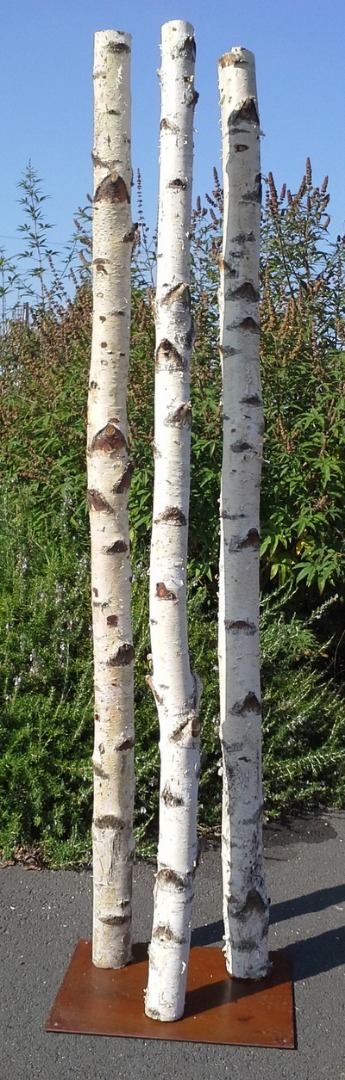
218	1009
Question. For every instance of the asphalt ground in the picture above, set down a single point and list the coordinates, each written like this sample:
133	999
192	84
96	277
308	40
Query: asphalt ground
43	914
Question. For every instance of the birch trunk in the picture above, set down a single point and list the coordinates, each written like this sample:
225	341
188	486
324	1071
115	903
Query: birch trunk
109	473
245	903
176	690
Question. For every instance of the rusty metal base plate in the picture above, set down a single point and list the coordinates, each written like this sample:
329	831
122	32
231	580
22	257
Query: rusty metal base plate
219	1009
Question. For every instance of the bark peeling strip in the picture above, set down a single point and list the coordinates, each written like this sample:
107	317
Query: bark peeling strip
150	683
173	514
112	189
96	502
123	483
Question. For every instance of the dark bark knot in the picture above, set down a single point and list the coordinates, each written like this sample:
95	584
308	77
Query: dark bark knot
112	190
187	48
173	515
247	114
169	877
178	293
169	798
127	744
254	902
112	620
240	447
163	593
169	357
245	292
119	547
129	236
251	399
123	656
243	238
250	324
99	266
255	195
118	47
99	771
251	540
165	933
110	439
240	626
249	704
115	920
178	184
182	417
108	821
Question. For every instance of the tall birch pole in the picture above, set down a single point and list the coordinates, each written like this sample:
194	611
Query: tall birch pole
109	473
245	903
176	690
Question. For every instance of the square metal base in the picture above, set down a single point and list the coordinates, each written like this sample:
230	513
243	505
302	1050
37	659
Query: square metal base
219	1009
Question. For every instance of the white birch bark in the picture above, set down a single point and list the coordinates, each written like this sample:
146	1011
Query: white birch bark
109	473
245	903
176	690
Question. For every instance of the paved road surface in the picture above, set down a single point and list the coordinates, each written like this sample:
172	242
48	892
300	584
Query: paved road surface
42	915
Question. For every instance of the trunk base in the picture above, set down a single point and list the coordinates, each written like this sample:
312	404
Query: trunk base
218	1009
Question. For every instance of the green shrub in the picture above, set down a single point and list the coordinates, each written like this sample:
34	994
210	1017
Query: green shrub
46	660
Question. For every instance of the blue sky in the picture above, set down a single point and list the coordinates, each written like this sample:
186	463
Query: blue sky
46	49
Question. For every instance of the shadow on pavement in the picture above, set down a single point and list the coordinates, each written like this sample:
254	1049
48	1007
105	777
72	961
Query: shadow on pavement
310	956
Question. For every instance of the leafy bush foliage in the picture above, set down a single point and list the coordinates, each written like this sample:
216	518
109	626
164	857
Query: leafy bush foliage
46	660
